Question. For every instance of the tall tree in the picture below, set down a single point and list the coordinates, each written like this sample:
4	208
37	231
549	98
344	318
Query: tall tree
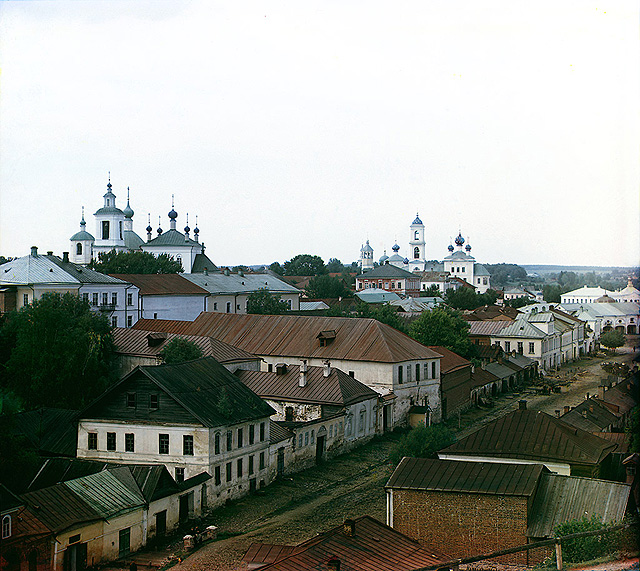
327	287
612	339
61	352
335	266
387	314
135	263
179	350
442	326
304	265
264	302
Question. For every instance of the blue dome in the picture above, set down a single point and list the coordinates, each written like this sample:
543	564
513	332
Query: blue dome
468	247
128	211
450	248
459	240
417	220
187	229
405	261
149	229
173	214
395	248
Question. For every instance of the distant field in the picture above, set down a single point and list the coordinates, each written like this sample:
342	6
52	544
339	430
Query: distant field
544	269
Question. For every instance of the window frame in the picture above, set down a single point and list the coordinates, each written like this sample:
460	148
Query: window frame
187	445
92	440
163	444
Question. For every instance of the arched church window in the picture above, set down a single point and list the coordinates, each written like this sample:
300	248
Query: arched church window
416	235
416	252
105	229
79	249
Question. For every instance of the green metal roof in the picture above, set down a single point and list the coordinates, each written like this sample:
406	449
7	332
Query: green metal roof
172	238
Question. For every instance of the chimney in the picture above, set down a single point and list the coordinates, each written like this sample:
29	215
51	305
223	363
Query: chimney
522	405
591	408
327	368
226	271
302	381
206	271
34	251
586	397
333	564
50	253
557	411
349	527
281	368
473	369
601	390
65	257
567	408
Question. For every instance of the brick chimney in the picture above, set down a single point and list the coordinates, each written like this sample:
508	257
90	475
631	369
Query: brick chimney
65	257
302	381
557	411
327	368
601	390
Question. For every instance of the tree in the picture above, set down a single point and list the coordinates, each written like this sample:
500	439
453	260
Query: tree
387	314
304	265
264	302
519	302
466	298
503	274
586	548
552	293
422	442
442	326
135	263
179	350
432	291
277	268
327	287
61	352
335	266
612	339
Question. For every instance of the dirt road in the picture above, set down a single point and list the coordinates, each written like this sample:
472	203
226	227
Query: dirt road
313	501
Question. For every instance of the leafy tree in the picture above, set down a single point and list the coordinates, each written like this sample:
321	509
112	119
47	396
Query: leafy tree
61	352
503	274
179	350
612	339
18	457
240	268
387	314
277	268
466	298
442	326
552	293
586	548
264	302
304	265
335	266
432	291
327	287
135	263
519	302
422	442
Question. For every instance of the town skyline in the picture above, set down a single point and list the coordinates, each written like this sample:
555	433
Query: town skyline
285	132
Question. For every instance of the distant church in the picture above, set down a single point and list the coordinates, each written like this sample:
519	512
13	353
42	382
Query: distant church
114	228
459	263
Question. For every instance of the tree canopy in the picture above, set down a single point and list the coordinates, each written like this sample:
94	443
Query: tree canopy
387	314
326	286
422	442
135	263
56	352
264	302
503	274
179	350
304	265
612	339
442	326
466	298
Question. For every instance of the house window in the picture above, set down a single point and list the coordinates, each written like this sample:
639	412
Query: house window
306	438
416	252
153	402
217	443
262	431
261	461
532	348
105	230
131	400
228	307
417	372
288	414
6	526
129	320
252	434
408	373
507	346
187	445
433	369
269	368
229	475
114	299
94	299
520	347
124	542
120	228
215	306
218	476
426	370
300	437
463	269
85	297
240	438
79	249
114	321
400	370
179	475
111	441
331	431
250	465
25	299
239	468
92	443
229	440
352	374
313	436
484	281
105	299
129	442
163	444
129	299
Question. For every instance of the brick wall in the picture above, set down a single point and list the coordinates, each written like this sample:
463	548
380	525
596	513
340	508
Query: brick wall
462	525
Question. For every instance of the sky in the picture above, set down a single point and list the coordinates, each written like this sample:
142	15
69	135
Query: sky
294	127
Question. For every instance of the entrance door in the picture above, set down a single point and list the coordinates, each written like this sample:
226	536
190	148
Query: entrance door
183	514
280	465
385	418
75	557
161	523
252	485
320	443
124	543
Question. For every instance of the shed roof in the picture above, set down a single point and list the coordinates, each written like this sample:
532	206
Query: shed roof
560	499
162	284
357	339
590	415
466	477
530	435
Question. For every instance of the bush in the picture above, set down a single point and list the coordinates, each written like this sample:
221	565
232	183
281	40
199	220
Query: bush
586	548
422	442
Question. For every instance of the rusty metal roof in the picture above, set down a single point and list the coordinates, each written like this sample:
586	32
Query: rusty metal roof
560	499
450	361
162	284
530	435
337	389
49	430
136	342
357	339
373	546
278	432
466	477
590	415
487	327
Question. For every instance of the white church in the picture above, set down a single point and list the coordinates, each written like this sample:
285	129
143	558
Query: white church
114	231
458	264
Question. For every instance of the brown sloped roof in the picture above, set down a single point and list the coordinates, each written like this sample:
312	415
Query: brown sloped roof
357	339
162	284
450	361
166	325
374	546
337	389
531	435
481	377
135	342
466	477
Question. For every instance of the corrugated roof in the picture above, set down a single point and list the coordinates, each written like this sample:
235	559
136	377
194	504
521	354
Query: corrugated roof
500	371
35	270
136	342
560	499
50	430
386	271
487	327
278	433
357	339
590	415
466	477
336	389
172	238
530	435
372	547
162	284
450	361
202	262
220	283
374	295
131	240
522	329
83	274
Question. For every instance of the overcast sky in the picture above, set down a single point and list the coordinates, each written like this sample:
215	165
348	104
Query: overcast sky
296	126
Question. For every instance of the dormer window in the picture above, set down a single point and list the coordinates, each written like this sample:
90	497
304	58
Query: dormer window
326	337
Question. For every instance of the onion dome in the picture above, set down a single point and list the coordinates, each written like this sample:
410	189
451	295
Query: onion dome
450	247
395	248
384	258
149	229
159	227
417	220
405	261
173	214
468	247
459	240
128	211
187	229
